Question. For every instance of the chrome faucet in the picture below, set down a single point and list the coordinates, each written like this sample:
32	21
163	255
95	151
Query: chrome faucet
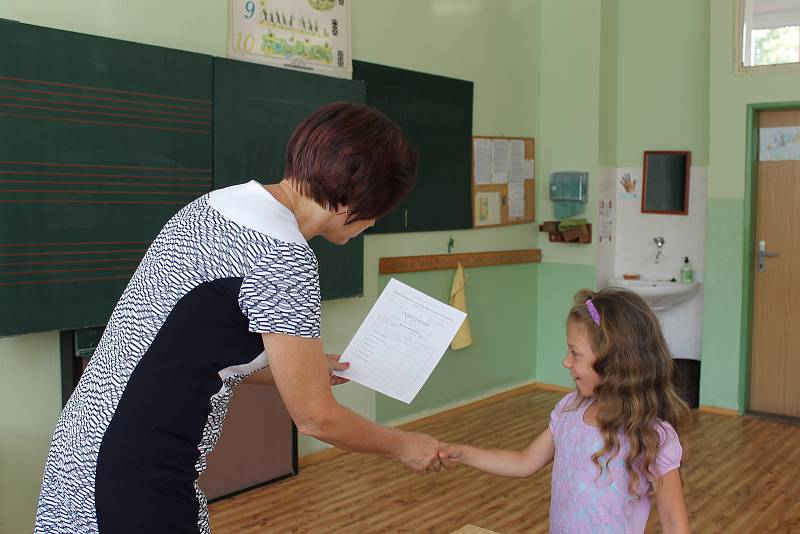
660	244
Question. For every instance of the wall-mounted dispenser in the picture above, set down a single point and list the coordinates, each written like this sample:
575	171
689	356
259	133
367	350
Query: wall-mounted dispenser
569	191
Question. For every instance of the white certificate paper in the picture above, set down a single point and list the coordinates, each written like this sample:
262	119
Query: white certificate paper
400	342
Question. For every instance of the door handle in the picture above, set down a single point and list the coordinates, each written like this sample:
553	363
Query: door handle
763	254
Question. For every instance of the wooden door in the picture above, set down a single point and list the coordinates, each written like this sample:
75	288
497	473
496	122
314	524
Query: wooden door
775	361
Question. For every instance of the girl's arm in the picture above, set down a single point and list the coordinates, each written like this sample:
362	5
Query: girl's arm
671	508
502	462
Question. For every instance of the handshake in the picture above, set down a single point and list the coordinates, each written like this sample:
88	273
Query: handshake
424	454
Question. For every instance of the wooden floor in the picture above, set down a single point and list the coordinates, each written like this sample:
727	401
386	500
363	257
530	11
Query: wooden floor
742	475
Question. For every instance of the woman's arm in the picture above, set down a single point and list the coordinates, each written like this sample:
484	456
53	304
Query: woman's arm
671	507
263	377
303	380
519	464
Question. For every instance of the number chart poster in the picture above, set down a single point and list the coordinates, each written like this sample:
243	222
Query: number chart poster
306	35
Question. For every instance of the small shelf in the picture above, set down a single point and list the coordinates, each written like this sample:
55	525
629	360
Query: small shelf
570	236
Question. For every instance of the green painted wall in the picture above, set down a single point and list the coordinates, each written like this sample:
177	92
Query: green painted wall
193	25
653	79
30	401
663	78
503	325
719	373
573	54
609	83
556	287
569	85
729	95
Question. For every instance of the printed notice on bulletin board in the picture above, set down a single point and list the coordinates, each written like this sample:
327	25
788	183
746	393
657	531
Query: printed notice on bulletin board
487	209
501	161
306	35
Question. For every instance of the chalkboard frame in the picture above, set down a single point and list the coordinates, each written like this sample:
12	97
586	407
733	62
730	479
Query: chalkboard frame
665	169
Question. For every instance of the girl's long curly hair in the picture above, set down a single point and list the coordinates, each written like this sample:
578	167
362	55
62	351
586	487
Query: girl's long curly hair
636	389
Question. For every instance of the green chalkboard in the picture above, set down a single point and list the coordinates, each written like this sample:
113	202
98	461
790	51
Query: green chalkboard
435	113
256	109
101	141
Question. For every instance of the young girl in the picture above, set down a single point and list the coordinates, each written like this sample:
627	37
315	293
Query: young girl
614	441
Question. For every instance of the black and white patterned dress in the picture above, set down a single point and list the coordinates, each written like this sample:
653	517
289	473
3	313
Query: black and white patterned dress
134	437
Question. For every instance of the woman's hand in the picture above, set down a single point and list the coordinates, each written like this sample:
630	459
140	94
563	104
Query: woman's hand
420	453
332	360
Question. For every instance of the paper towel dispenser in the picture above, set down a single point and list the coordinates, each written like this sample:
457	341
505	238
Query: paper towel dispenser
569	191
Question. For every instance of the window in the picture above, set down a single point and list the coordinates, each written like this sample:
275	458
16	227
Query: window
769	33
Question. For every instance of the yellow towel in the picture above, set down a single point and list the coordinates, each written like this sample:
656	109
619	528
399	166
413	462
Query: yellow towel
458	300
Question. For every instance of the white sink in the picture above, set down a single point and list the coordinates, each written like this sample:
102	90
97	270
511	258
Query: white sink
659	294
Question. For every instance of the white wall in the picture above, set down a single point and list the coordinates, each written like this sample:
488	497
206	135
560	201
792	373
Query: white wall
633	250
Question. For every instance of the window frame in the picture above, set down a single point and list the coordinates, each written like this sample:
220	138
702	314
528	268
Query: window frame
738	52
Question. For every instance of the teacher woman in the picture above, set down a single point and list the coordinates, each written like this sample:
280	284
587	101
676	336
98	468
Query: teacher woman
227	292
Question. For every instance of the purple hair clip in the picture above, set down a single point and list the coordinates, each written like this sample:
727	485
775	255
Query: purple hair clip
593	312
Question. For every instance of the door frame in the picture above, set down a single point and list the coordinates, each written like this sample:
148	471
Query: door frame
749	236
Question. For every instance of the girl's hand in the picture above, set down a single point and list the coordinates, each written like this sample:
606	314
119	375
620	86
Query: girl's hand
335	365
451	454
420	452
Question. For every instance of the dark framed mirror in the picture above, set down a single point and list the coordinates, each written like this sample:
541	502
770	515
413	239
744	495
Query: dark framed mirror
665	182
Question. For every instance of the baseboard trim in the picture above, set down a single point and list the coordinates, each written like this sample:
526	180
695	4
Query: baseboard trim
321	456
717	410
778	418
554	387
445	413
480	402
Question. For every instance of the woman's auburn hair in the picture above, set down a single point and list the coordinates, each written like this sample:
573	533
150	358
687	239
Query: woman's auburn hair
636	390
351	155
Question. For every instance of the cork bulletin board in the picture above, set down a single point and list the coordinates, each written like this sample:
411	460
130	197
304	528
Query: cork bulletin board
503	182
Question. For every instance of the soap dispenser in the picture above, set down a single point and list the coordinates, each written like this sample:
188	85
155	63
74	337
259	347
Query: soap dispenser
687	274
